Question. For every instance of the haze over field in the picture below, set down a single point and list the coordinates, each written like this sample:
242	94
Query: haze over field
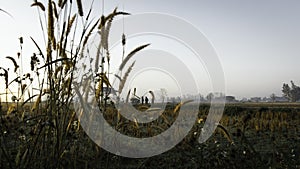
257	41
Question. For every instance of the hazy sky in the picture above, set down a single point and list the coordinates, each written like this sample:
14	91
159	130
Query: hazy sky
258	42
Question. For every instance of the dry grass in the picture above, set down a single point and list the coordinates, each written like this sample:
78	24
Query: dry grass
47	134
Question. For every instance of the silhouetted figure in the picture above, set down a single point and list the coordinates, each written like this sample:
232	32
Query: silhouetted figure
146	100
142	100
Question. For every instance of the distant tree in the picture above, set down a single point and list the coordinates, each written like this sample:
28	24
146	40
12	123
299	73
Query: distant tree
273	97
210	96
291	93
295	92
163	94
202	98
230	98
219	95
286	90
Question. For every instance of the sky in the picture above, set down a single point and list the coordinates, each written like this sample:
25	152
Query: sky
257	42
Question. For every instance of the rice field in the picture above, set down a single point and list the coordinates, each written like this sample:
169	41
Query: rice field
261	136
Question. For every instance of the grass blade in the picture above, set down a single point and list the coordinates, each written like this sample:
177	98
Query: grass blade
14	62
41	53
52	62
39	4
132	53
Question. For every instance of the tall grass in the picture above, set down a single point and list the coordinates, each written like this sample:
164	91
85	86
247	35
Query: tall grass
48	124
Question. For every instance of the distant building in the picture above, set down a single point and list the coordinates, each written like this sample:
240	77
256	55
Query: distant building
255	99
135	101
173	99
281	99
244	100
266	99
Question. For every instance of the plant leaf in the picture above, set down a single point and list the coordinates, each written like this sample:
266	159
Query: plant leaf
38	47
39	4
123	81
127	58
110	17
55	10
14	62
181	104
29	99
6	13
52	62
226	133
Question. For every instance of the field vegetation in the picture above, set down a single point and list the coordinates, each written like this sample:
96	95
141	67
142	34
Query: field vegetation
37	133
251	136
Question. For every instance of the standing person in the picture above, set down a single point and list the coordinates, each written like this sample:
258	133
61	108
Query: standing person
142	99
146	100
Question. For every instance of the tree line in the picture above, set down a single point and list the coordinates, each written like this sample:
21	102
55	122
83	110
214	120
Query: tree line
291	92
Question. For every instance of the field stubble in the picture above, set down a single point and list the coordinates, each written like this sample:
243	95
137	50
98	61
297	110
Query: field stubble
258	136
